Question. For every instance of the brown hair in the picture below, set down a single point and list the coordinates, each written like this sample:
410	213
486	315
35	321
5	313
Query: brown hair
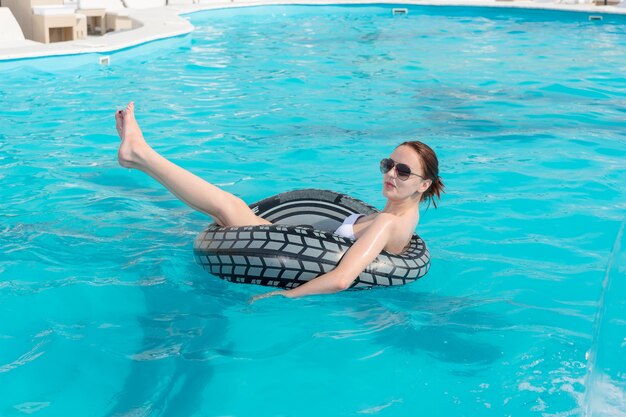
430	165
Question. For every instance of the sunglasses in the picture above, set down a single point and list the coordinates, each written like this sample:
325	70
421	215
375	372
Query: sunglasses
403	171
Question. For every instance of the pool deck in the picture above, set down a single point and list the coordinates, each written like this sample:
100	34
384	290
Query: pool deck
169	21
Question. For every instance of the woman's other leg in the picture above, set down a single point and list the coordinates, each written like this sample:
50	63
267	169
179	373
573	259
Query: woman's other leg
134	152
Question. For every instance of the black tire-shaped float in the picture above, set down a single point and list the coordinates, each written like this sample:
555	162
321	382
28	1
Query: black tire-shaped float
288	254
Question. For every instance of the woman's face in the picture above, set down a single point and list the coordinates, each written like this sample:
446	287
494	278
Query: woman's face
396	189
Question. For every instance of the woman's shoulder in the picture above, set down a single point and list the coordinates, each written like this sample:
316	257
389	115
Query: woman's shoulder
376	221
384	217
385	220
400	225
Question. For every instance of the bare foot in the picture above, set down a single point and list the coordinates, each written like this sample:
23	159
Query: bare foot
133	143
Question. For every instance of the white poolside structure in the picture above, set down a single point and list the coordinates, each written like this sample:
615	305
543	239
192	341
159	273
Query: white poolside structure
48	21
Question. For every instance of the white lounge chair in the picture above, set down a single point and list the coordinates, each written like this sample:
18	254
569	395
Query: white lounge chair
55	22
117	16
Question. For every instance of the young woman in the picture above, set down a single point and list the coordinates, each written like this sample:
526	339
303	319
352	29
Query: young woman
411	175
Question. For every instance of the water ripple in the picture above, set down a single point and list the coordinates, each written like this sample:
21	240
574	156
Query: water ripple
27	357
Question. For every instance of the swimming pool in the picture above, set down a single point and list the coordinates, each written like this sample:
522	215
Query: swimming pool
105	313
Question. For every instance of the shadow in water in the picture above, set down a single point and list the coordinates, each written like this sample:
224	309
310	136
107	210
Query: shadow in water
445	327
171	369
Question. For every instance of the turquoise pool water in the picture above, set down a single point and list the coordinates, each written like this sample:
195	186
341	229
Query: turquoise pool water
104	312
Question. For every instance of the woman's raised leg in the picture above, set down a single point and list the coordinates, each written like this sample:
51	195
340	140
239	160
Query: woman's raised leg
134	152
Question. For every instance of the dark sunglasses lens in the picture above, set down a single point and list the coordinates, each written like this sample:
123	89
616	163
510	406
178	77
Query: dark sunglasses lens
403	171
386	165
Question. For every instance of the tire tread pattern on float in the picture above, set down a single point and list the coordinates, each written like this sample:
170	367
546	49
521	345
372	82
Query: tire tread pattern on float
287	256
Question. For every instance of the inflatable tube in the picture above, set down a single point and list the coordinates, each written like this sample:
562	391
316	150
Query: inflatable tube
287	254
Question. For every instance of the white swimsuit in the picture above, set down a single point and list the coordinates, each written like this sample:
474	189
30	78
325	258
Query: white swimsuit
346	230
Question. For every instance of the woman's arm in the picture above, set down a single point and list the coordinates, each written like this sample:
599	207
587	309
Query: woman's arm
356	259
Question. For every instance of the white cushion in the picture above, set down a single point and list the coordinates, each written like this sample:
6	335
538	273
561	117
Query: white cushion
54	9
143	4
118	13
101	4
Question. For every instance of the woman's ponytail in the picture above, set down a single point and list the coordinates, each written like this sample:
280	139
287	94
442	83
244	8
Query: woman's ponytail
430	165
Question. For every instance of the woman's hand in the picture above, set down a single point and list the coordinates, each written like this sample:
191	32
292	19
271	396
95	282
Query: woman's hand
267	295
